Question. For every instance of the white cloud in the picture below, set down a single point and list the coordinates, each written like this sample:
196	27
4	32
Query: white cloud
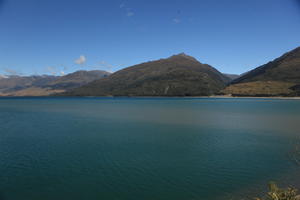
81	60
129	12
62	73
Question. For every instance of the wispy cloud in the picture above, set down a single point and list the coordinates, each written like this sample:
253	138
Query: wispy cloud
178	17
129	11
52	70
11	72
56	71
176	20
81	60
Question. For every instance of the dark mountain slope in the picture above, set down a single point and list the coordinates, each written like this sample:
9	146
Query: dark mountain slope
276	78
179	75
284	68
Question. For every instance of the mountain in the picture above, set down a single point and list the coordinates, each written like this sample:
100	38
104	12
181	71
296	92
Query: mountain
2	76
77	79
179	75
11	84
232	76
280	77
46	85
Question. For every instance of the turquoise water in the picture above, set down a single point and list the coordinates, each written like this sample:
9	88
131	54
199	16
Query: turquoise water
145	148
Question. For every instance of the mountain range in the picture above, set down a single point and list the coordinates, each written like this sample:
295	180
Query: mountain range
46	85
178	75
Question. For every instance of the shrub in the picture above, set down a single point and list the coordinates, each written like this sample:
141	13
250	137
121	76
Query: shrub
276	193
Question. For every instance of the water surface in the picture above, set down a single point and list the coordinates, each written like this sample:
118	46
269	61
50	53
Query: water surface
145	148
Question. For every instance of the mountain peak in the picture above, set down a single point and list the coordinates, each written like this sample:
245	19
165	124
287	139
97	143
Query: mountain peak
184	55
178	75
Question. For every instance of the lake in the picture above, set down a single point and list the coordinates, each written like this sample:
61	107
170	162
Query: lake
146	148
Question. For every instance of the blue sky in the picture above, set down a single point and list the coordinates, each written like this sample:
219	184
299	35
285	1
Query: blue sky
62	36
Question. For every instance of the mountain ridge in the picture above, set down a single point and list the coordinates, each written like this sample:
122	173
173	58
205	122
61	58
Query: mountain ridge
44	85
279	77
178	75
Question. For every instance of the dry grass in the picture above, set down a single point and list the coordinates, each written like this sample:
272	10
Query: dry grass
260	88
33	91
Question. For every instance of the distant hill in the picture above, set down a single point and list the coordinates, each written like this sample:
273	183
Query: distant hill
179	75
231	76
11	84
46	85
280	77
77	79
2	76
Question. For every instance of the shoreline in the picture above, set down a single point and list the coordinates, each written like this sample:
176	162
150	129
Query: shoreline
253	97
183	97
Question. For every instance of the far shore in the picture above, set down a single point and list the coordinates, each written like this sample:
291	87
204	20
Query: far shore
254	97
188	97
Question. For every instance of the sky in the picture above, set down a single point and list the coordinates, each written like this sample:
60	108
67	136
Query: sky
63	36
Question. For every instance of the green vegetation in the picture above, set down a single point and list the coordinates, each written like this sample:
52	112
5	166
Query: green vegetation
179	75
276	193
